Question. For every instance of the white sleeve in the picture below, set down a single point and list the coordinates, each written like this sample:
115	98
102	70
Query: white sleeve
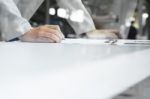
27	8
73	5
12	24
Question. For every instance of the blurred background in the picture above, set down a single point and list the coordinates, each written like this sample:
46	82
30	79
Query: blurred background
130	17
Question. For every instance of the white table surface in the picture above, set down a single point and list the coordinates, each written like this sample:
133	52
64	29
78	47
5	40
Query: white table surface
70	70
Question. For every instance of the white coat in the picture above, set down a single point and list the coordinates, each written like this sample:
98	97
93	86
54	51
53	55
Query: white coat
14	16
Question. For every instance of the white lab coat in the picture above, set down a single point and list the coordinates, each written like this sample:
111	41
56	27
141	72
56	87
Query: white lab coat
14	16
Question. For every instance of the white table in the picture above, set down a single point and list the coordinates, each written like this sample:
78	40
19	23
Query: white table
70	71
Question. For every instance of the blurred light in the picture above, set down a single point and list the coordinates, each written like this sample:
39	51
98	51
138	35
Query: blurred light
63	13
145	15
128	23
52	11
77	16
144	18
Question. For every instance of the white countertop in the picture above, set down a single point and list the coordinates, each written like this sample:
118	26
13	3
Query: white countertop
70	70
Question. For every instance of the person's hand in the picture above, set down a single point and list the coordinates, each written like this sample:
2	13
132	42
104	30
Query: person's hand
43	34
104	34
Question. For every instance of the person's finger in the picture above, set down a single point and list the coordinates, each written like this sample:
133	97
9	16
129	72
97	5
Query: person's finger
42	34
53	31
51	36
56	27
60	32
45	40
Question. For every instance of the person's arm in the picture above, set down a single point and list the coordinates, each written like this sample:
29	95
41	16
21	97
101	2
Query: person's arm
13	25
73	5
